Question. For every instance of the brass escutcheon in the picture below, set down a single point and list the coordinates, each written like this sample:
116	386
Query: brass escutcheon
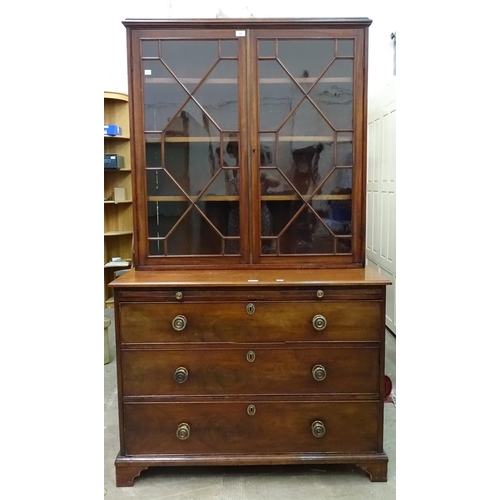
251	410
250	356
181	375
320	294
183	431
318	429
250	308
179	322
179	295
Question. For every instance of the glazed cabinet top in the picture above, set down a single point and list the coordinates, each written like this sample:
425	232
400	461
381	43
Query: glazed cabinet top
248	142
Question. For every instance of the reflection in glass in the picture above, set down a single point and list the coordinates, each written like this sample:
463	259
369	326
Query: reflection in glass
344	149
306	99
333	94
159	183
190	60
218	95
343	245
194	235
306	59
163	96
307	234
153	150
162	217
278	95
192	159
305	122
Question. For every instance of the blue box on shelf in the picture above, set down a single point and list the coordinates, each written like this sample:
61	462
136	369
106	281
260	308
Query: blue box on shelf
112	129
114	161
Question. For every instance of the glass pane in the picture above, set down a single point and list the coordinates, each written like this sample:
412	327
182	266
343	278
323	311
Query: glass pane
345	48
267	48
306	59
306	164
268	246
305	123
338	183
162	216
333	94
150	48
279	95
341	215
190	60
344	149
192	166
343	245
232	246
194	236
282	212
273	183
268	149
163	96
308	235
217	213
153	150
159	183
229	48
218	95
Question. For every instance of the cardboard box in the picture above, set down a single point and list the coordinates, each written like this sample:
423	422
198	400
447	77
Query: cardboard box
119	194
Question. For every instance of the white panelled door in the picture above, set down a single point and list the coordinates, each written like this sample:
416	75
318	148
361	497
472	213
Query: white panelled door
381	192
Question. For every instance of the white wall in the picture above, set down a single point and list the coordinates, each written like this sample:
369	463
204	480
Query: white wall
383	14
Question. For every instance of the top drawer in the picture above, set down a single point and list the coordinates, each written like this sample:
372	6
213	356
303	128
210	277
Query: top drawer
251	322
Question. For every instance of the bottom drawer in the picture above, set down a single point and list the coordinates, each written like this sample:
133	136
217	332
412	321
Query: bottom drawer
251	427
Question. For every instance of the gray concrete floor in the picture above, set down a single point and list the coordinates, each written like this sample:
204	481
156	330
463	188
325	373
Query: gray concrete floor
245	483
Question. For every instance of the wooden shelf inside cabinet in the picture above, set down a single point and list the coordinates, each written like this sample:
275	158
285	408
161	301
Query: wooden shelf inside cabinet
266	137
118	226
218	81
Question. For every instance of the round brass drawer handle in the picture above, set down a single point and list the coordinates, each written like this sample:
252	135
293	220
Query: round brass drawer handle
319	322
179	322
318	429
181	375
183	431
319	372
179	295
320	294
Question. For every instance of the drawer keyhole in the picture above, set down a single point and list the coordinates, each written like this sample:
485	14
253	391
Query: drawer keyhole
251	410
250	356
250	308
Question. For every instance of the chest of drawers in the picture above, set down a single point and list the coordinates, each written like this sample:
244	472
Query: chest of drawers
242	368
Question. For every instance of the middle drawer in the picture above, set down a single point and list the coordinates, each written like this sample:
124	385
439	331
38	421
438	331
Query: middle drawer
341	370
